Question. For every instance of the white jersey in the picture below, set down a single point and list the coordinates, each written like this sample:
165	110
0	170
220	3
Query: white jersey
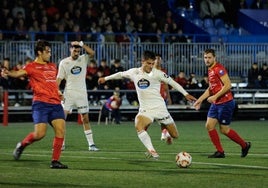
148	86
74	72
75	91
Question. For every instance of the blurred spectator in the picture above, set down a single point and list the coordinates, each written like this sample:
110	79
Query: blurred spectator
176	97
178	37
109	34
212	9
181	79
116	67
18	9
264	75
204	82
257	4
92	67
76	34
253	74
112	105
104	68
43	34
192	81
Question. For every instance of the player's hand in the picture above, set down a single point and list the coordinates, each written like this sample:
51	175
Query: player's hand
4	72
190	98
197	104
61	95
75	43
101	80
211	99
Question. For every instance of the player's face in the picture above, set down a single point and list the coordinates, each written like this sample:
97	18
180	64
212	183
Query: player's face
46	54
148	65
75	52
209	59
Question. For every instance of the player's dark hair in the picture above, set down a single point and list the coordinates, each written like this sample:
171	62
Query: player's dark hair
148	55
210	51
41	46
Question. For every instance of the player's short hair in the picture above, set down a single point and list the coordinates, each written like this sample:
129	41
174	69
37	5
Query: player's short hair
41	46
75	46
148	54
212	51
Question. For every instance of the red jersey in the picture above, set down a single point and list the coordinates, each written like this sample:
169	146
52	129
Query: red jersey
43	82
215	83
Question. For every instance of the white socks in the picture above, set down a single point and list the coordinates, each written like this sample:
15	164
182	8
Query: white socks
146	140
89	136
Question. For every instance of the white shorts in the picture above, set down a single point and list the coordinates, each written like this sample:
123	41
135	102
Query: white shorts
75	100
162	116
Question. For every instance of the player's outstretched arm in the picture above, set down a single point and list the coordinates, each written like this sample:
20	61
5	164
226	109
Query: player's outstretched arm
14	74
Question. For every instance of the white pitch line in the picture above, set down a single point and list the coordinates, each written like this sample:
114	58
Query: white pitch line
144	159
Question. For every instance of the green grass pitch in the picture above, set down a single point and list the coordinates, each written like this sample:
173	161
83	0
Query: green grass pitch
122	163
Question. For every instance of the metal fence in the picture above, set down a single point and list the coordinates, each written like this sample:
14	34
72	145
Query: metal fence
237	57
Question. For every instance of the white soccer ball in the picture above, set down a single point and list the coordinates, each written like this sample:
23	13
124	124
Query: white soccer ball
183	159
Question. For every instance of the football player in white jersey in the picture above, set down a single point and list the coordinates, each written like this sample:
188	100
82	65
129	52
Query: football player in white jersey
147	80
73	69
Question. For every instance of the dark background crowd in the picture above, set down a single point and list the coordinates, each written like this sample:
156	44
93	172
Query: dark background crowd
50	19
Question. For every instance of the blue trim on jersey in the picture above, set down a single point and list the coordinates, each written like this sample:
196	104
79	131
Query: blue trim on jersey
46	112
222	112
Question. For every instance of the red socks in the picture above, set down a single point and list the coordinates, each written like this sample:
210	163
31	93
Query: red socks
28	139
214	137
236	138
57	144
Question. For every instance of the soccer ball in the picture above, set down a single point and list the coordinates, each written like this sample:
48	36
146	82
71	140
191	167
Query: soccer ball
183	159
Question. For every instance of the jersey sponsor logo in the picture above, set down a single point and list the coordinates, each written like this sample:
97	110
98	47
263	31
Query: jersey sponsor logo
49	76
143	83
76	70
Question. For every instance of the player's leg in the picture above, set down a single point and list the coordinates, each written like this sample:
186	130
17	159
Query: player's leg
40	115
170	130
214	137
38	134
88	132
59	130
66	112
212	121
141	124
225	117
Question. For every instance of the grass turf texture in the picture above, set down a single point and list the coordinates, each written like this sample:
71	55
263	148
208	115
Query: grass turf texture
122	163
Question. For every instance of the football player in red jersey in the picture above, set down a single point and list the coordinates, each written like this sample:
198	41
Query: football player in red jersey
222	105
46	104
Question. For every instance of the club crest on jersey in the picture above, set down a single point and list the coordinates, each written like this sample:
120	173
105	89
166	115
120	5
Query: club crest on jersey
221	72
143	83
76	70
